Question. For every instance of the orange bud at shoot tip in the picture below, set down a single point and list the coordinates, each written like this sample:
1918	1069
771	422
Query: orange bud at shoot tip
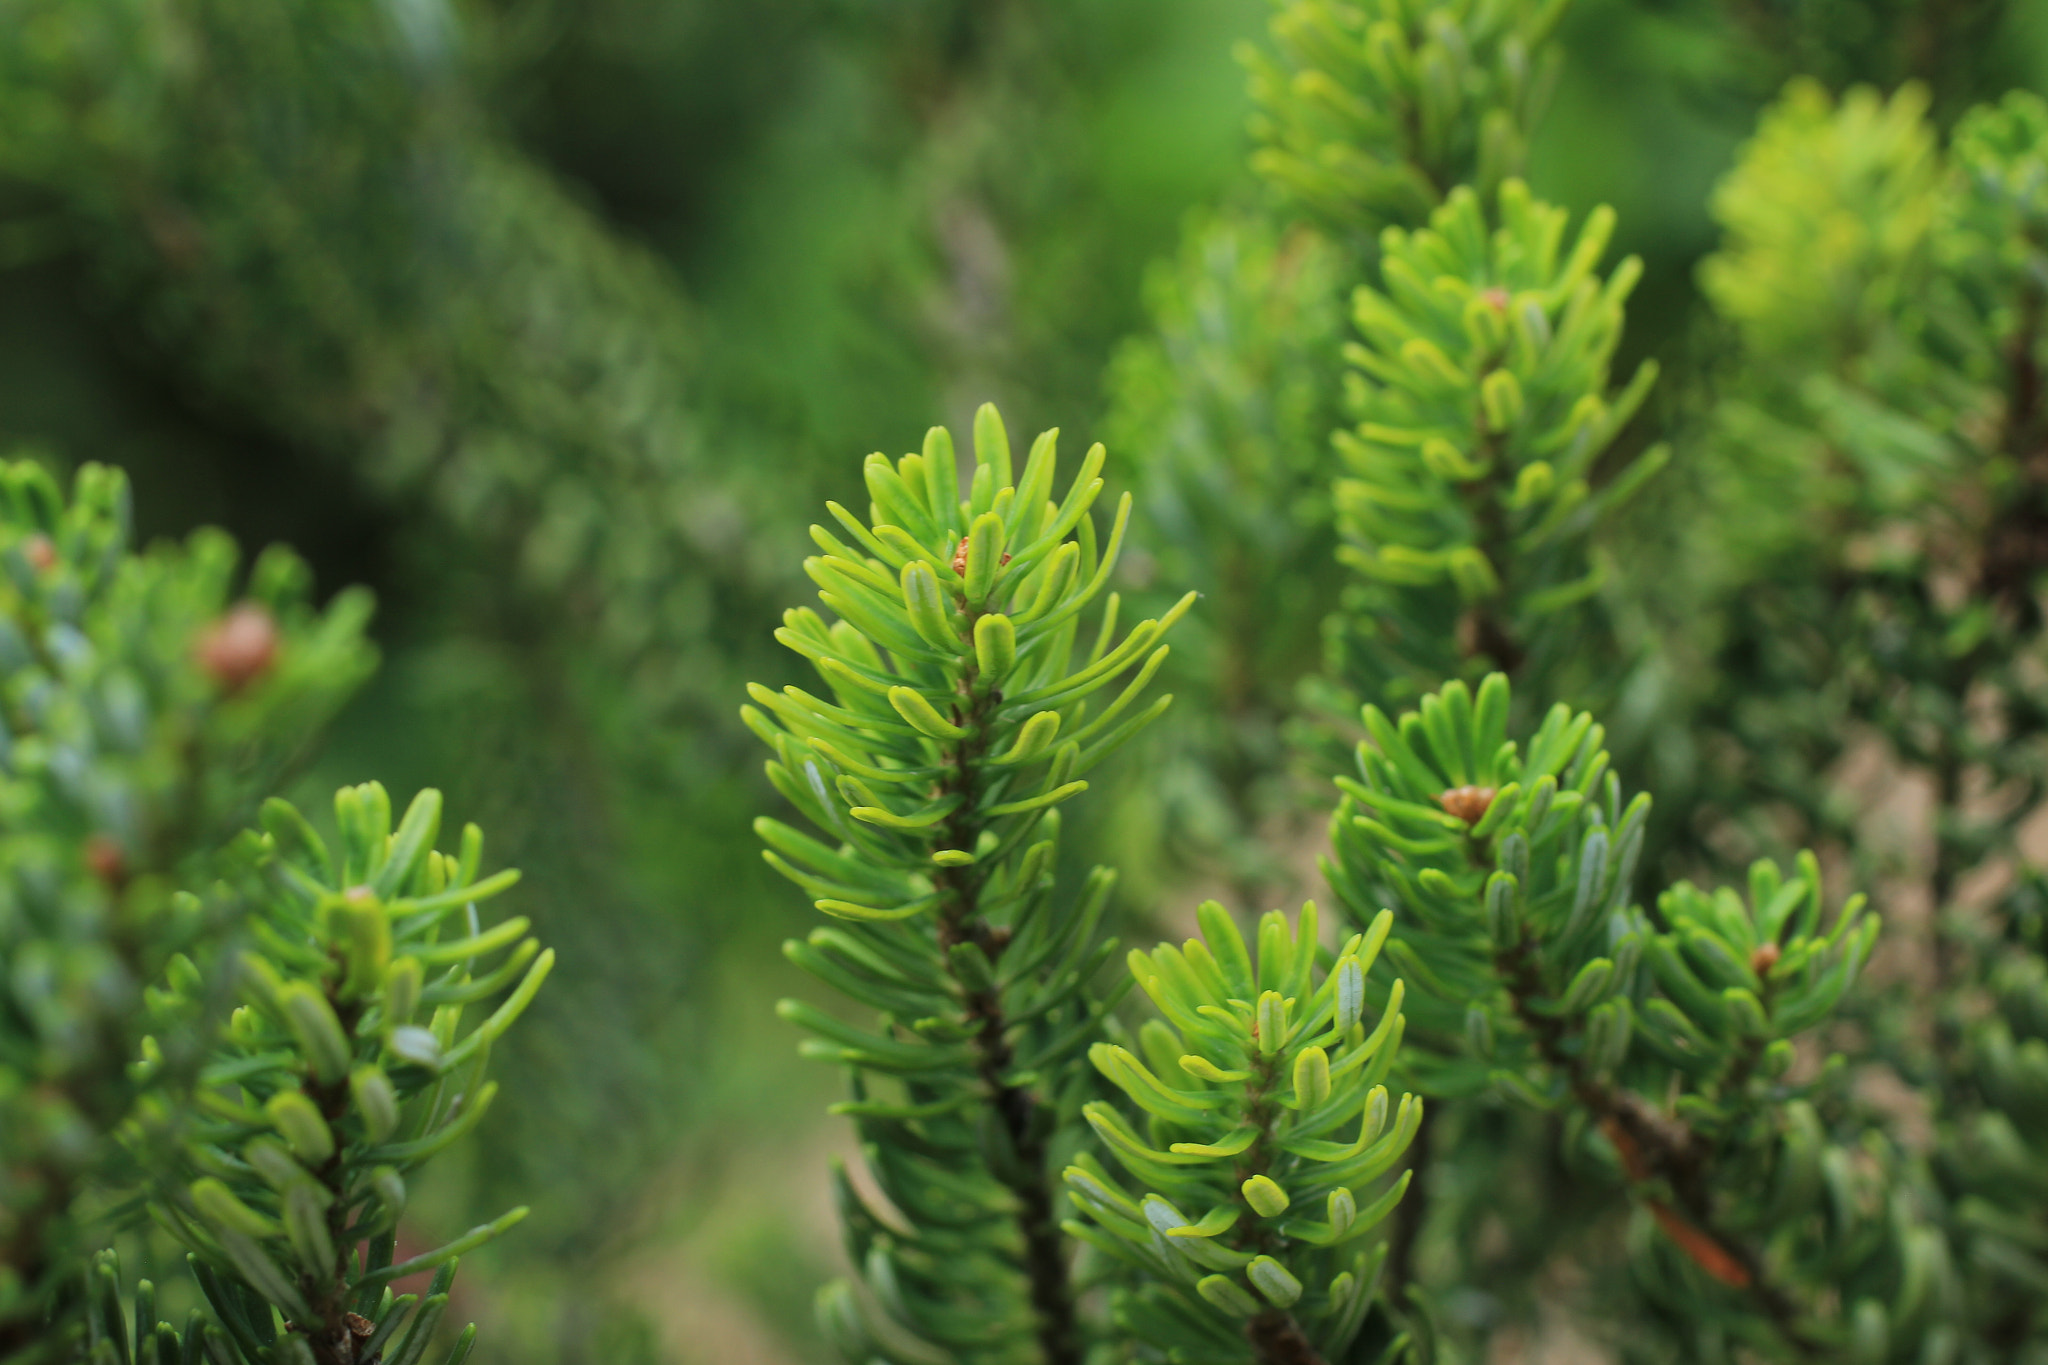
1469	804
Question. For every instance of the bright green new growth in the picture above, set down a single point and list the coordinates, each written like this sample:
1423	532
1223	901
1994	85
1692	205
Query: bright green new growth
1372	112
1894	290
1830	272
344	1066
1482	398
958	716
1826	215
1255	1196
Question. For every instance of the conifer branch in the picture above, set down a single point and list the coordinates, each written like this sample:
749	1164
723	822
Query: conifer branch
326	1092
1016	1107
1532	855
1653	1147
1247	1083
959	721
170	706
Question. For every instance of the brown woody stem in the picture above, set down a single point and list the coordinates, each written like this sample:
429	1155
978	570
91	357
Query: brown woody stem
1653	1146
1016	1107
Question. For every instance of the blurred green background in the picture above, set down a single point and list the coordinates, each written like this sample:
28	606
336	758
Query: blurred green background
554	321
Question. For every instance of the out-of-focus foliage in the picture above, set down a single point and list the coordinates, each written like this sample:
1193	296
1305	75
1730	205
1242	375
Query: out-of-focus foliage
1825	272
1229	403
147	698
1370	114
1826	218
306	206
1907	420
1949	43
1898	619
302	202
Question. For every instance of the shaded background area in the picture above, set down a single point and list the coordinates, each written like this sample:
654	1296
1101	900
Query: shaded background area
554	320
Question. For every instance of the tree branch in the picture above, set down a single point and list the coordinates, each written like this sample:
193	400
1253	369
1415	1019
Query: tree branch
1653	1146
1016	1107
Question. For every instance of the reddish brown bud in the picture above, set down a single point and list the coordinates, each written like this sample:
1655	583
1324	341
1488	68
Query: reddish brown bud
960	556
359	1326
1496	298
39	552
240	647
105	860
1764	958
1469	804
